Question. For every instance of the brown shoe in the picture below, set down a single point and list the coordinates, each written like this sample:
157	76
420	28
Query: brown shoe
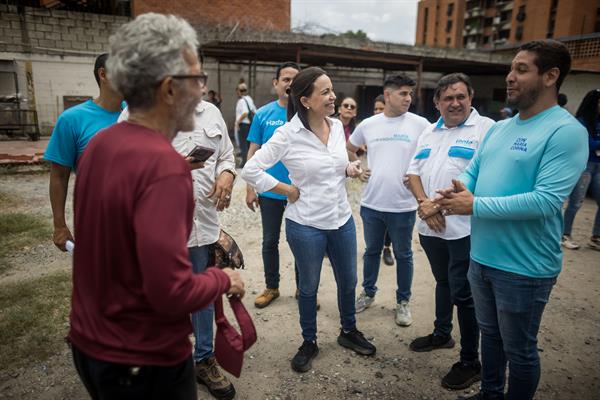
297	294
266	297
209	374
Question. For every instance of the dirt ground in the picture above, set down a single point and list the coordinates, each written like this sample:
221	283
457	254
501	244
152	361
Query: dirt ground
569	339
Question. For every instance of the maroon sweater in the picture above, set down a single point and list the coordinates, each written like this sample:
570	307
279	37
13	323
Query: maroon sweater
133	286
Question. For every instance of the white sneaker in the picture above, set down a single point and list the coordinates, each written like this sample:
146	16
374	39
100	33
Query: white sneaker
567	243
403	316
363	302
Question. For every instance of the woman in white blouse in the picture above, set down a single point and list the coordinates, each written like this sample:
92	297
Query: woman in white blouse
318	218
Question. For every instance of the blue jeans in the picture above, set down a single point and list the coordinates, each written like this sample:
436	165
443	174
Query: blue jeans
202	320
271	214
309	246
509	310
399	227
449	260
590	177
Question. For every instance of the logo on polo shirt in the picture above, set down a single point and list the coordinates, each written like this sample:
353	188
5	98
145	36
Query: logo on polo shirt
520	144
466	142
274	122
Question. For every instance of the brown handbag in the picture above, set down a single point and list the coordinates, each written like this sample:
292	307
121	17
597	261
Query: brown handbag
225	253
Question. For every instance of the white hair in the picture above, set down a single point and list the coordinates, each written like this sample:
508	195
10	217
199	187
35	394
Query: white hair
144	51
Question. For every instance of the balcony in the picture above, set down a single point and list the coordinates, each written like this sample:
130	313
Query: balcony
474	12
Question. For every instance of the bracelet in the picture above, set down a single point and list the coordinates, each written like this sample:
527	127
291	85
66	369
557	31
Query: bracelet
231	172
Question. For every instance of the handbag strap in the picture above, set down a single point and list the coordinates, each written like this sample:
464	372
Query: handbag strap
247	104
248	334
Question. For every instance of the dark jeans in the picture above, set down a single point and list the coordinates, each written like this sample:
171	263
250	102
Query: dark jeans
399	226
449	260
589	178
509	310
110	381
271	213
309	246
202	320
243	134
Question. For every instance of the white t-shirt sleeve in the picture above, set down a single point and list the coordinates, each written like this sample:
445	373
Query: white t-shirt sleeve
357	138
240	108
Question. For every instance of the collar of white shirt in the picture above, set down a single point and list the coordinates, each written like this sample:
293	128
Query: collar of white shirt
296	124
471	121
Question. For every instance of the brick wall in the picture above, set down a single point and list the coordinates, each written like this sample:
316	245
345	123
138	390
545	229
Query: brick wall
256	14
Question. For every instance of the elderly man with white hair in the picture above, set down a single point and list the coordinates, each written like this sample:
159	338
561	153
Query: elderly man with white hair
133	285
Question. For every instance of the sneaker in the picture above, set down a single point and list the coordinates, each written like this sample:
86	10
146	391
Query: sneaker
355	341
387	256
297	294
302	361
363	302
431	342
403	316
462	375
266	297
594	243
210	375
567	243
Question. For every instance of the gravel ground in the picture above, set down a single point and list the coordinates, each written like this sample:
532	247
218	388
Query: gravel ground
569	338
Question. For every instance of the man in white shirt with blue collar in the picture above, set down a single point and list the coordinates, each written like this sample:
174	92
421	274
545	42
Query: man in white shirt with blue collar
386	204
443	152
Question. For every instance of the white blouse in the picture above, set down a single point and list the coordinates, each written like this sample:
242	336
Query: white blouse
316	169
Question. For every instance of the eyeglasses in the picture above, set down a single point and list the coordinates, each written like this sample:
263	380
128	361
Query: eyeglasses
349	106
201	78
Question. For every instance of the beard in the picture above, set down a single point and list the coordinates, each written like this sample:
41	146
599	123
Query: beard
185	116
525	99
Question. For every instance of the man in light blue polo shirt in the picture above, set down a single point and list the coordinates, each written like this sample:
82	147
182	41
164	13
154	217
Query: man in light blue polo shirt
266	120
514	188
72	132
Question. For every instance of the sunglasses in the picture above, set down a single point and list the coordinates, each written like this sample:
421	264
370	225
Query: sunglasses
349	106
243	90
201	78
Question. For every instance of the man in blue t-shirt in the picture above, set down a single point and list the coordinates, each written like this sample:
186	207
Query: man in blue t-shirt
514	188
72	132
267	119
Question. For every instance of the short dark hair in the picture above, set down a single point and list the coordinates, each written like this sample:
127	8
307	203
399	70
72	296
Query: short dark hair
562	99
100	63
450	79
397	81
550	54
287	64
303	85
588	111
380	98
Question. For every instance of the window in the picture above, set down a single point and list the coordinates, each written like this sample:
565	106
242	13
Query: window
450	9
521	14
488	21
449	25
448	40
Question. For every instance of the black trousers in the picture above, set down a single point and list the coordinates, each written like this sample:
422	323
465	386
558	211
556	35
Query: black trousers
449	260
110	381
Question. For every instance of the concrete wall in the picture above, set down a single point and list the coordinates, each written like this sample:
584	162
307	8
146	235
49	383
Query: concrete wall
576	86
43	31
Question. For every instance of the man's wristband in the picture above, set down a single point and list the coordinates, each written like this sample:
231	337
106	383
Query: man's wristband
231	171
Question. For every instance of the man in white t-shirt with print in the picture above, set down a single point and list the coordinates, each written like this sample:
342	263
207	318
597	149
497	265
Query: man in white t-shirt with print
443	152
391	138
